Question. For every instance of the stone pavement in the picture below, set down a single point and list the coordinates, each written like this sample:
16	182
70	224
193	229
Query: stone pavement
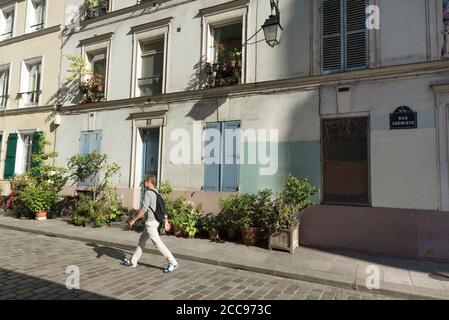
403	278
36	269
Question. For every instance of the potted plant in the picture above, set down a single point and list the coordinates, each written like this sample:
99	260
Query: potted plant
240	208
295	196
212	225
39	200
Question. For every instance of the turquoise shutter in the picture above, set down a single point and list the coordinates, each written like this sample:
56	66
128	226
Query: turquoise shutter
211	167
10	162
356	35
84	143
35	148
332	57
231	156
95	142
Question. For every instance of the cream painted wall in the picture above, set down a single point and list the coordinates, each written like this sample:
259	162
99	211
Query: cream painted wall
44	47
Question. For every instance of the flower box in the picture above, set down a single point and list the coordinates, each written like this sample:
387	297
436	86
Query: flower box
286	240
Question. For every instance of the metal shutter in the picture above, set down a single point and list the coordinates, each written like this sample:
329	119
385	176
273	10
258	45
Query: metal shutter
356	34
331	35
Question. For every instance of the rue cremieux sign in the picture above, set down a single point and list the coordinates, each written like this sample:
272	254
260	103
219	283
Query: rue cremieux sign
403	118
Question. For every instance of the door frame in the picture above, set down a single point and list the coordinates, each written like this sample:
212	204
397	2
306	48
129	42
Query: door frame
369	155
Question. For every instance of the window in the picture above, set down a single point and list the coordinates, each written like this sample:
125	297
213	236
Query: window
31	83
7	23
344	39
225	55
345	161
36	15
221	161
98	65
4	86
151	68
27	144
96	8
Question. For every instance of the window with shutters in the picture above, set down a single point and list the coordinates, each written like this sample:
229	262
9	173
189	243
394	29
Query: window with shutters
7	15
90	142
222	156
344	36
36	15
30	86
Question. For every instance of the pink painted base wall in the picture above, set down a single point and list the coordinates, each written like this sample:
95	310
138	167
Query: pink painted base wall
394	232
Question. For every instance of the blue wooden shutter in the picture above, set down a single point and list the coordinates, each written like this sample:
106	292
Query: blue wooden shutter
10	162
95	142
211	168
356	35
231	156
332	57
84	143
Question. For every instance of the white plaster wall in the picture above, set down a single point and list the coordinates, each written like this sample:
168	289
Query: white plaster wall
400	160
403	31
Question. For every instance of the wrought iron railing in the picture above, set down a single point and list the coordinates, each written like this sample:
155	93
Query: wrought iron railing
30	97
97	11
150	86
6	35
38	26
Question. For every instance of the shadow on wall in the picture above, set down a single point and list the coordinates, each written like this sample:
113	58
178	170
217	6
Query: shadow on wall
25	286
196	79
205	107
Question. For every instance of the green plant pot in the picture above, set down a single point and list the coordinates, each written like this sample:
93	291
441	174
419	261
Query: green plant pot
231	233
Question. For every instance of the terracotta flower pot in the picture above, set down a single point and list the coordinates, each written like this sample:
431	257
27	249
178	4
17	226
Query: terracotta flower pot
177	231
41	215
250	235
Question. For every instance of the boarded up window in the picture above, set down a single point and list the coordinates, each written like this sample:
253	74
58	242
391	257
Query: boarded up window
345	161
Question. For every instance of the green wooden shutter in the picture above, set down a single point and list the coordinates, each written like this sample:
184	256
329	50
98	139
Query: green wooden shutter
35	148
10	162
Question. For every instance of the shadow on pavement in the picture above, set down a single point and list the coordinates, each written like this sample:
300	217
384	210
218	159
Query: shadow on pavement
17	286
116	254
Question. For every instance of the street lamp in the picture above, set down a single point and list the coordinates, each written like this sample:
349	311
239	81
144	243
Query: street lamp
272	27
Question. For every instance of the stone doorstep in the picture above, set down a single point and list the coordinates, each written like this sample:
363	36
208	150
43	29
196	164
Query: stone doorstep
406	292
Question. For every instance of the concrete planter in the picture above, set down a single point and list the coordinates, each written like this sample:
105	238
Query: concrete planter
287	240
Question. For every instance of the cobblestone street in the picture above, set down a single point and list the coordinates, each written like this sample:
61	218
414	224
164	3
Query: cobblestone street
34	267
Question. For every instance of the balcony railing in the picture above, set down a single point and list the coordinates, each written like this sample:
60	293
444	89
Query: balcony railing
6	35
150	86
93	12
36	27
29	98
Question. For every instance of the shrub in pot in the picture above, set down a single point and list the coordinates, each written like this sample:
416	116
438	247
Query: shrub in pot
39	200
240	208
212	225
283	222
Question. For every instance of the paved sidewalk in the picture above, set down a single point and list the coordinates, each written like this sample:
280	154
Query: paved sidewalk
402	278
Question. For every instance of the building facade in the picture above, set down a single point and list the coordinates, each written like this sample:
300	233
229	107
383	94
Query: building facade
30	55
361	111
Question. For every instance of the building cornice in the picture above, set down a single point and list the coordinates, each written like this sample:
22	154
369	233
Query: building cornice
28	110
144	7
275	86
151	25
96	38
440	88
224	7
31	35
